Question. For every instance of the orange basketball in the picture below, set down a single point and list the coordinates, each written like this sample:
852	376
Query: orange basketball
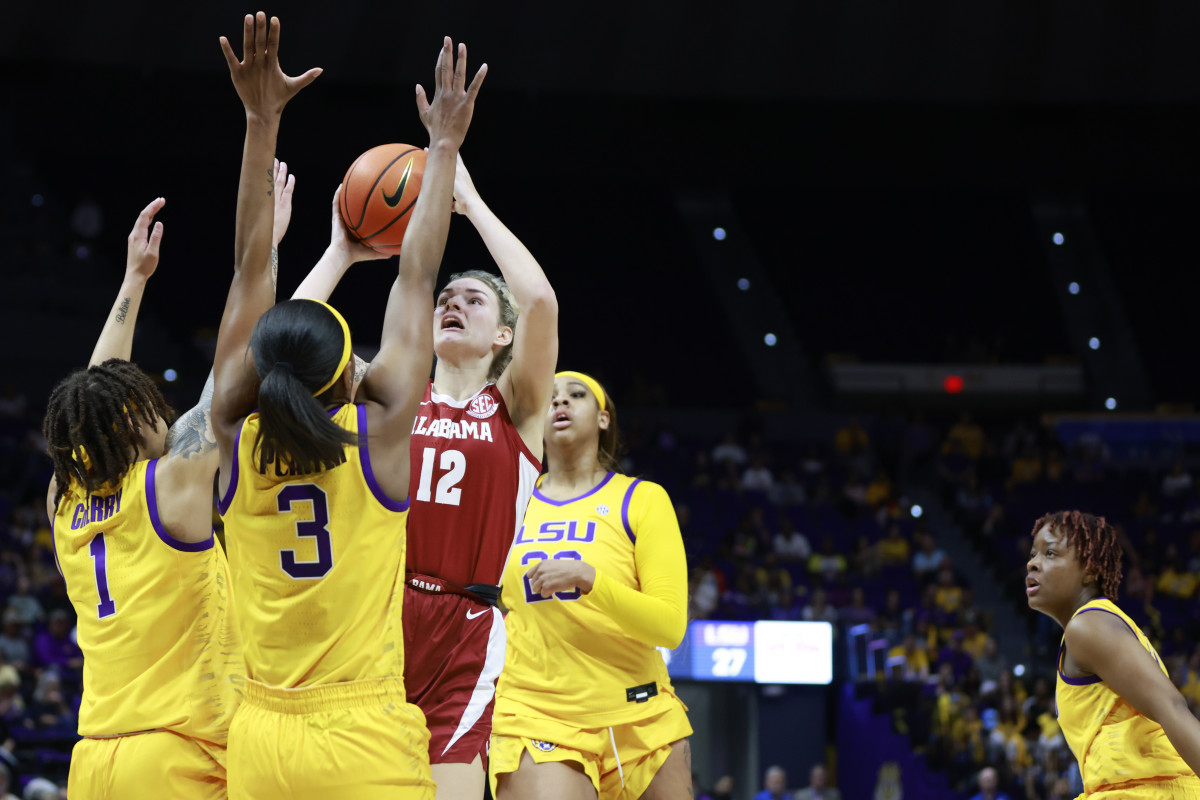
379	192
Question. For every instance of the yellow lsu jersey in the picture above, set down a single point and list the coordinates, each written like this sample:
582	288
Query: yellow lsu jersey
592	658
1113	743
317	563
154	614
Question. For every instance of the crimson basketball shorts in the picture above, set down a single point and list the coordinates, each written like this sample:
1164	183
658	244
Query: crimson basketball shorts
453	654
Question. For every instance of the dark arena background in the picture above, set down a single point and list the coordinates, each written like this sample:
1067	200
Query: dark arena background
873	284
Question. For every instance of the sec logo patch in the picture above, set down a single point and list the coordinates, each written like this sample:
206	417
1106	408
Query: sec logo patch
545	747
602	510
482	407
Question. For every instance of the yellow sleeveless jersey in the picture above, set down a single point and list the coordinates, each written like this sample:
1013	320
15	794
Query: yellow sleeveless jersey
1113	743
154	615
591	659
318	565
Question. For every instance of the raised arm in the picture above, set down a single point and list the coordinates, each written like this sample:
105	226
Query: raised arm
395	380
141	259
264	91
343	251
528	380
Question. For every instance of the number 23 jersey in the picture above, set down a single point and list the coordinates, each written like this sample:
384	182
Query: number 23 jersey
469	484
576	656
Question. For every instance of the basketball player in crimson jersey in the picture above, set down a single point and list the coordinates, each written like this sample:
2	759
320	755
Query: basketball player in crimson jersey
475	456
476	453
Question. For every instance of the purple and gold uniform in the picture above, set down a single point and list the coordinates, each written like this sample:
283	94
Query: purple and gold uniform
583	679
1121	753
162	663
318	566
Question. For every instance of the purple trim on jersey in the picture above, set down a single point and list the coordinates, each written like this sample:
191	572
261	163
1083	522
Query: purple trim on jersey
224	503
364	456
152	506
1094	678
625	511
54	542
589	493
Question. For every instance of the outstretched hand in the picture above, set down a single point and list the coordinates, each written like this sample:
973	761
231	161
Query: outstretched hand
341	240
285	184
449	115
466	196
141	257
258	78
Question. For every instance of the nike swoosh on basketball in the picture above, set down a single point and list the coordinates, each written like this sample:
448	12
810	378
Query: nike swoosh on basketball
393	199
476	614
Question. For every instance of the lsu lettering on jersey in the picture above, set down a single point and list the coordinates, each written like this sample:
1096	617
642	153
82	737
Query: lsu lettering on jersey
589	659
318	564
154	615
470	482
1113	743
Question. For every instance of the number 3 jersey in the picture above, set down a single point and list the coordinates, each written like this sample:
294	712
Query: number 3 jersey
470	482
592	659
154	619
317	562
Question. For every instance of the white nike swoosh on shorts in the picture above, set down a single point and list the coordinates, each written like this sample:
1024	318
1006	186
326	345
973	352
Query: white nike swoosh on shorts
476	614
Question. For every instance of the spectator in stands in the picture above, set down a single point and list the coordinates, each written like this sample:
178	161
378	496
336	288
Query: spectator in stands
928	560
968	435
787	491
916	660
857	612
971	500
53	648
1056	465
6	780
12	705
866	558
729	451
853	445
989	786
14	648
818	610
879	490
827	564
818	786
790	544
997	527
893	621
812	465
854	496
774	579
989	666
1026	468
949	594
757	477
1019	439
1174	580
25	604
723	788
954	656
774	784
786	609
1176	483
49	709
702	472
893	548
42	789
707	587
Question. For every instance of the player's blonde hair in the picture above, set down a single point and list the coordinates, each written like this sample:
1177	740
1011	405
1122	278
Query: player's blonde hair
509	312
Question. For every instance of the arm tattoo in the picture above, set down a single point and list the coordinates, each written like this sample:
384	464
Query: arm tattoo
270	183
123	310
274	267
360	369
192	434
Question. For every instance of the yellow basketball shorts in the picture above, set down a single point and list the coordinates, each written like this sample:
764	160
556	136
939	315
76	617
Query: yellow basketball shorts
147	766
621	761
1182	788
358	740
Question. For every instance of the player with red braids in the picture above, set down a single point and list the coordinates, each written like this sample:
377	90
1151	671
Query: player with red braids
1127	724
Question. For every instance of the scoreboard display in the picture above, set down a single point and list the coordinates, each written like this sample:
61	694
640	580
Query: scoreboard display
754	652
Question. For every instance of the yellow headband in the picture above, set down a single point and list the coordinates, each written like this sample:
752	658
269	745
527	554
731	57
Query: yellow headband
337	373
588	381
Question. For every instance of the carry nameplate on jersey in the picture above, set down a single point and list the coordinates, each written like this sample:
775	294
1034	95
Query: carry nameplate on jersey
640	694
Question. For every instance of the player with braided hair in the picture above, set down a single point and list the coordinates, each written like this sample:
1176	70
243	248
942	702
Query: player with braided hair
1128	725
130	508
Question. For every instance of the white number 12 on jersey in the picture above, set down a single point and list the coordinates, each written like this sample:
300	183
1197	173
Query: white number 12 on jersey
455	465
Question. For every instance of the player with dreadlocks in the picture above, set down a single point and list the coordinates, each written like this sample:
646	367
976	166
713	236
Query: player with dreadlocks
1128	725
130	505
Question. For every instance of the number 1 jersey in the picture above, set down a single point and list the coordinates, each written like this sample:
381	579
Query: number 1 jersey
317	562
154	619
470	481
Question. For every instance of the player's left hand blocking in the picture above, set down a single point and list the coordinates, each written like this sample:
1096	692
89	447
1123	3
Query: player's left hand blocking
259	81
561	575
141	258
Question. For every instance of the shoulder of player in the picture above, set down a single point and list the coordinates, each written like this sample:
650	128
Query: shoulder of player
1091	635
640	496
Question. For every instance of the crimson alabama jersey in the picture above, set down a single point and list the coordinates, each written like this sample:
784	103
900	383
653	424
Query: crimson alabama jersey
471	477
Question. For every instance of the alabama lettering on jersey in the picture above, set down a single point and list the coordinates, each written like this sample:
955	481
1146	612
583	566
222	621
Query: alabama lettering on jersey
567	658
471	478
317	562
154	620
